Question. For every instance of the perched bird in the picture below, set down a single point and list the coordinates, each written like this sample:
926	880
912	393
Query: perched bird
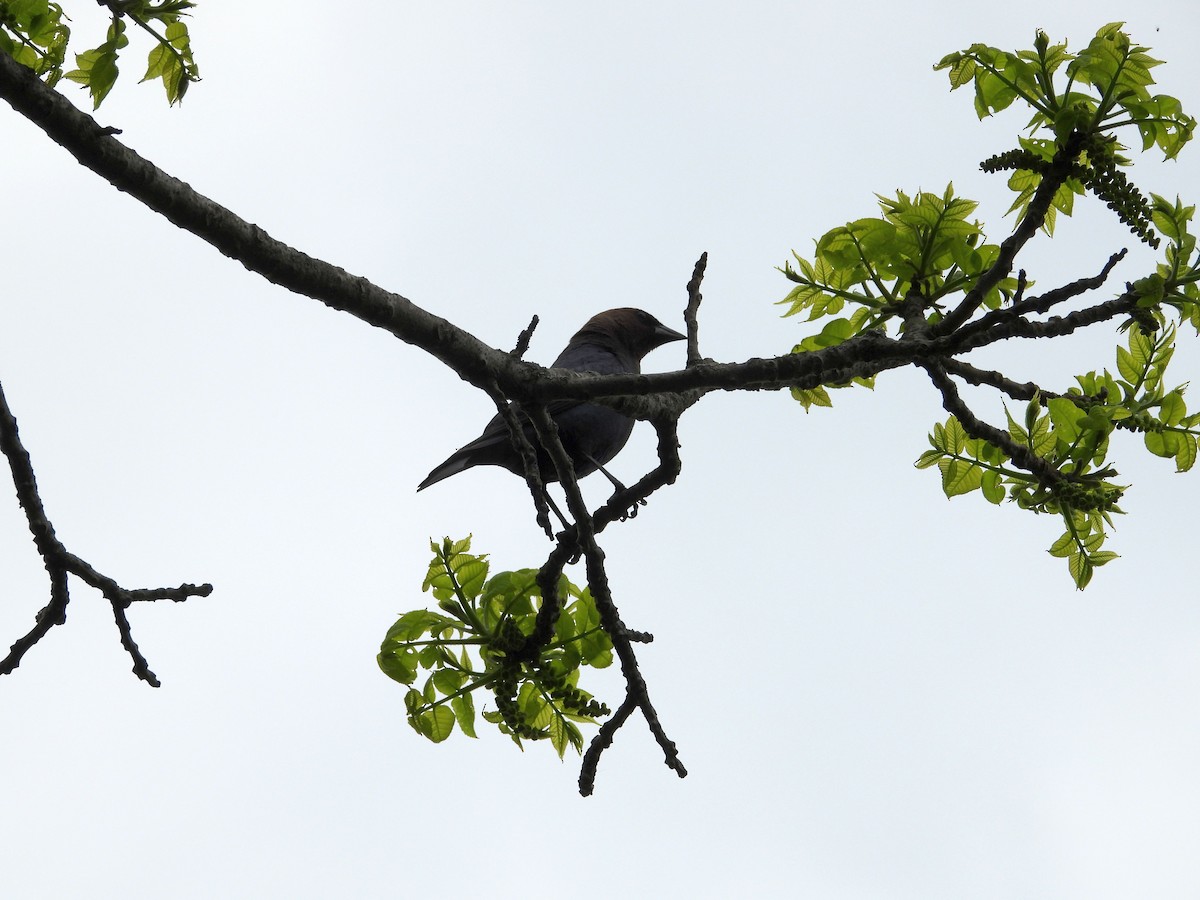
610	343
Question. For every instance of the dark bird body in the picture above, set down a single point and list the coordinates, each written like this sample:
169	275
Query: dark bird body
612	342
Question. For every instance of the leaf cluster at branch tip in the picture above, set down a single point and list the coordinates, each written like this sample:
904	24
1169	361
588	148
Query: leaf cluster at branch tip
926	267
480	641
35	33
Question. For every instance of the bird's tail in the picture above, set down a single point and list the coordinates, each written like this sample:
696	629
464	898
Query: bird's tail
452	466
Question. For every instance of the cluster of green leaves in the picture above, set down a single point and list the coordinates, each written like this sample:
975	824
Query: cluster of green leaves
1069	434
920	252
492	618
34	33
1107	87
923	246
1175	282
925	250
1086	96
925	255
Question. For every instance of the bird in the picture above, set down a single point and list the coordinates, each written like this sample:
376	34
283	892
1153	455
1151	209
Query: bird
612	342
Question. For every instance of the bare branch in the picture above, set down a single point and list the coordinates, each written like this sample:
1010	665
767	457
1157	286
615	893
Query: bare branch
998	380
97	149
60	562
1044	302
693	307
637	693
100	151
667	470
1002	324
523	339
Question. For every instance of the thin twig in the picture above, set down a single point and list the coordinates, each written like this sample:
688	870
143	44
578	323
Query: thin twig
693	307
523	339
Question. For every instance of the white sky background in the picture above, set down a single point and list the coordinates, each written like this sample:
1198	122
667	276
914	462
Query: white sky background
878	693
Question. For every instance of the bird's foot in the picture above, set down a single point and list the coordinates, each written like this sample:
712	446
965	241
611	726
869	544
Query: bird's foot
633	511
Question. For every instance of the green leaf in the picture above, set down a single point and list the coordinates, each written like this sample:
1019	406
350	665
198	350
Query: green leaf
558	735
1185	456
1081	570
959	477
1172	408
1064	546
817	396
928	458
993	489
464	713
961	69
1066	416
956	437
1015	431
1128	367
1162	443
447	681
412	625
399	664
436	723
1041	439
471	574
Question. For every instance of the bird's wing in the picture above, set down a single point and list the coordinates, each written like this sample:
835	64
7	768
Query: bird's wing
493	446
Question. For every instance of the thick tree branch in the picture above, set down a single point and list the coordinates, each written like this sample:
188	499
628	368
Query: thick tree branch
97	149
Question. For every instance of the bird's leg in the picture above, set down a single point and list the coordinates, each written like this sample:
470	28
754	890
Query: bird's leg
616	485
550	503
607	474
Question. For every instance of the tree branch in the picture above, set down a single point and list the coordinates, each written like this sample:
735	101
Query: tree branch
96	148
1002	324
637	693
60	562
1055	174
693	308
1044	302
977	428
990	377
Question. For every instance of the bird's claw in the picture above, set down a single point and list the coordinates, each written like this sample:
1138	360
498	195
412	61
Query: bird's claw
633	511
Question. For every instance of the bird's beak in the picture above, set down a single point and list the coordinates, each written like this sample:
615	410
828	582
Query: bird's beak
664	335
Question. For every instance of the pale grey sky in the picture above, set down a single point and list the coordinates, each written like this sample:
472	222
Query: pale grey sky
878	693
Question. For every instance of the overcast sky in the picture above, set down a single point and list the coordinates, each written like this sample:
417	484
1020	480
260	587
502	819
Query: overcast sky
878	693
